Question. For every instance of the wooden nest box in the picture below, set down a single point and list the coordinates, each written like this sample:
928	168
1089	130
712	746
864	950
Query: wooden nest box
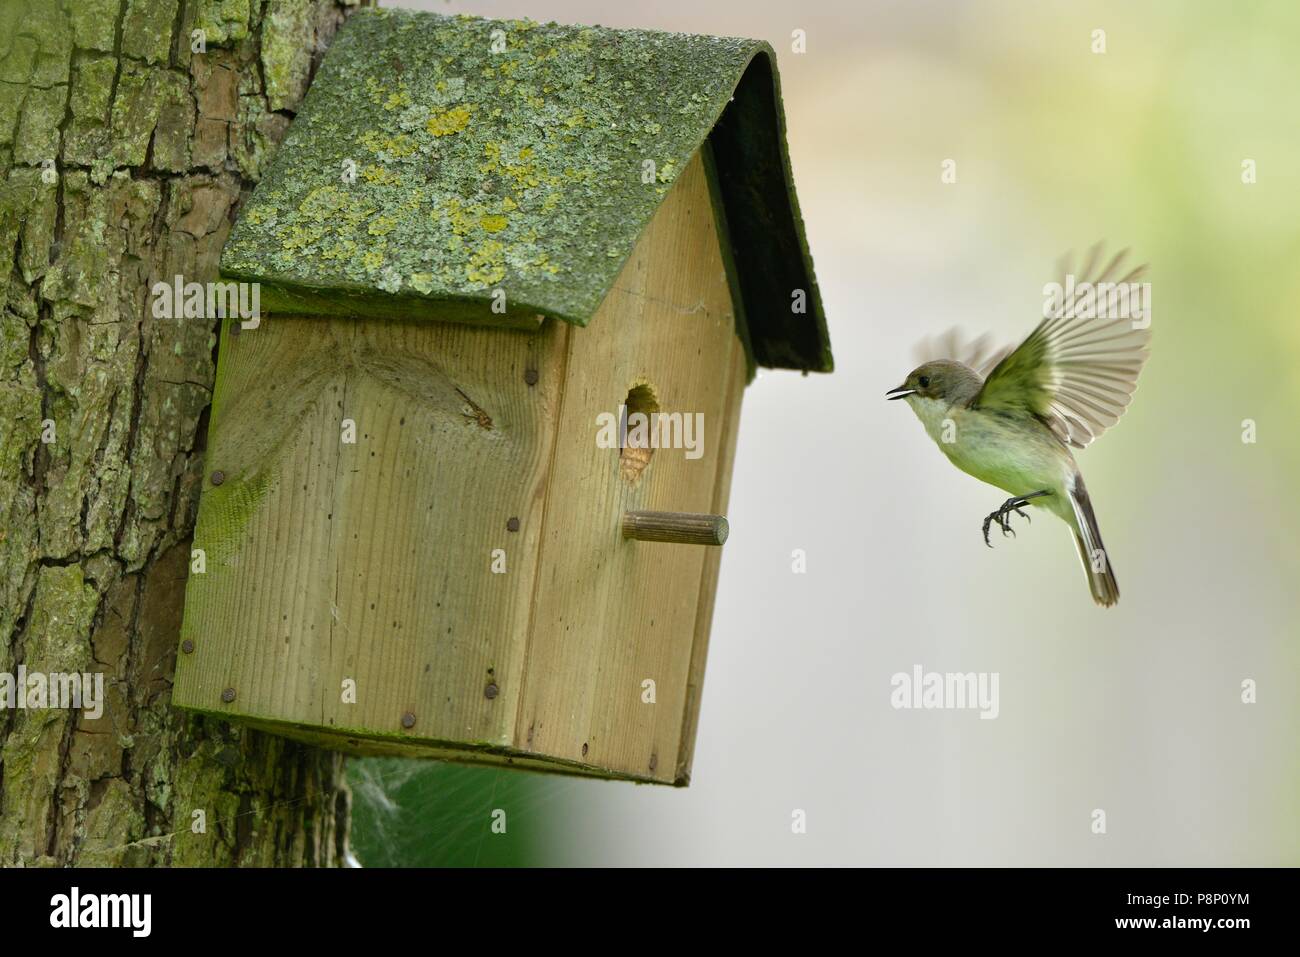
479	241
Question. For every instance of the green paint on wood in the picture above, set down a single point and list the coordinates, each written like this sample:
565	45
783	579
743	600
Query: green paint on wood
511	155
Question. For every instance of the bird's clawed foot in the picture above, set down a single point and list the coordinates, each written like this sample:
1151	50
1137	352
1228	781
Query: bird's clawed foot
1003	516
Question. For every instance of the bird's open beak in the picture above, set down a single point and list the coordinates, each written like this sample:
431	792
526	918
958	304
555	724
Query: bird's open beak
901	392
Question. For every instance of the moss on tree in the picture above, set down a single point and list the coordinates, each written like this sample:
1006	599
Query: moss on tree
122	159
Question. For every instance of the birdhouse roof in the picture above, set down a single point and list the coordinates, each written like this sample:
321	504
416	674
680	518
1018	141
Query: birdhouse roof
438	159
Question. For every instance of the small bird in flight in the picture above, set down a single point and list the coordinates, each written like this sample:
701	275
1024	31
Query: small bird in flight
1011	418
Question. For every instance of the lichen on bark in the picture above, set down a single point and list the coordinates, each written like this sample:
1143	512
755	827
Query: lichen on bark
123	158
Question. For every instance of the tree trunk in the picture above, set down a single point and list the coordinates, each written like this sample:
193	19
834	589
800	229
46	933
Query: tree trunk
124	154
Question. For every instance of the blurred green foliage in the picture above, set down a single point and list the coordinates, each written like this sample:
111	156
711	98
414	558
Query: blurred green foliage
409	813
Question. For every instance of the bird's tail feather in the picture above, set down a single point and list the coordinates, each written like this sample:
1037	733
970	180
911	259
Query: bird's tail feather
1093	554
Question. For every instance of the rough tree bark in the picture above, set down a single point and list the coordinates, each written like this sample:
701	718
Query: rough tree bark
123	157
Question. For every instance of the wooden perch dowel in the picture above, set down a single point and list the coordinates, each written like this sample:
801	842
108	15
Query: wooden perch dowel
684	528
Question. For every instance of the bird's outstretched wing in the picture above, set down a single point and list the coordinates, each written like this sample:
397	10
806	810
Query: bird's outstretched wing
1077	374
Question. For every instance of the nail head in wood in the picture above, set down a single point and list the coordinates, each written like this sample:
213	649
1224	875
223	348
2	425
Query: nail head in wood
187	646
683	528
228	695
512	525
530	376
408	720
218	477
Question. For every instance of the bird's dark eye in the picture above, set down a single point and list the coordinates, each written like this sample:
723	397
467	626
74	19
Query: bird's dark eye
923	382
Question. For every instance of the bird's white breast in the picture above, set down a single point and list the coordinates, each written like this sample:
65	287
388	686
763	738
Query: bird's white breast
937	417
1012	455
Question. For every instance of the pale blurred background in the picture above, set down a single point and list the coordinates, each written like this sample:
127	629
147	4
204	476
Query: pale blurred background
1135	710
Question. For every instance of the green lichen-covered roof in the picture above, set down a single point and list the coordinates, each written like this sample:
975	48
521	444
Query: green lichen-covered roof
442	158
